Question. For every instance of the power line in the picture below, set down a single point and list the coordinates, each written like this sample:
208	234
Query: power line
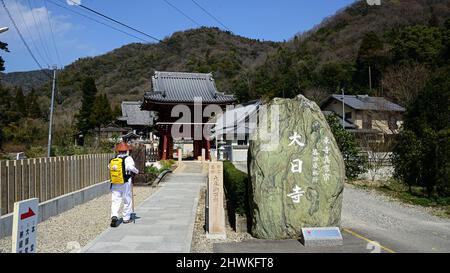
210	15
52	34
97	21
180	11
39	32
116	21
30	33
129	27
23	40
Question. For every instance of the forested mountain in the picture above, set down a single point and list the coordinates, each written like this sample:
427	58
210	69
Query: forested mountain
400	40
125	73
26	80
401	43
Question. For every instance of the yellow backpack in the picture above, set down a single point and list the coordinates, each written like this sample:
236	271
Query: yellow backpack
117	170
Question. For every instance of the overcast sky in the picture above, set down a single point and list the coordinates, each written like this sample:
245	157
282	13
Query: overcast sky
76	36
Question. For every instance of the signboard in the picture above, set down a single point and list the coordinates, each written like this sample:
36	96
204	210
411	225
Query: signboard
322	236
25	220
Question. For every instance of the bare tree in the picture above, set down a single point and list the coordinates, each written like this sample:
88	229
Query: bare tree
317	94
379	151
404	82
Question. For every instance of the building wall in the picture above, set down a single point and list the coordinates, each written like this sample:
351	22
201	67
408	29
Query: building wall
380	120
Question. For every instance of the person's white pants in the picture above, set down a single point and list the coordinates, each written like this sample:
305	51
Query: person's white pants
122	192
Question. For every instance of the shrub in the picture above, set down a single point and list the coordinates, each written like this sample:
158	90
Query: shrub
354	163
235	184
152	170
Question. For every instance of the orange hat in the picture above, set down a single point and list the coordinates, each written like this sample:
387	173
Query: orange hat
122	147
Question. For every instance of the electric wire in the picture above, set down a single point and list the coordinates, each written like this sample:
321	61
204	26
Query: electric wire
23	40
129	27
210	15
52	34
38	30
182	13
30	33
97	21
115	21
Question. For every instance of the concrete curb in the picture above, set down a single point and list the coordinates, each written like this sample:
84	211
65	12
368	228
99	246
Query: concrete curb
58	205
161	176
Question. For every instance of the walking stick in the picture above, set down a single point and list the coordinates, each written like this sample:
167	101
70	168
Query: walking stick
132	201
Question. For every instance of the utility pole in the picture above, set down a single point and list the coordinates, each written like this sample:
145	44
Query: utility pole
343	109
51	113
370	79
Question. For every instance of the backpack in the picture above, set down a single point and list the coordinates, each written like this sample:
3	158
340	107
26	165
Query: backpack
117	171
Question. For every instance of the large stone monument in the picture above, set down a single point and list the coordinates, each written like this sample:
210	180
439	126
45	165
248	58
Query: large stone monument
298	180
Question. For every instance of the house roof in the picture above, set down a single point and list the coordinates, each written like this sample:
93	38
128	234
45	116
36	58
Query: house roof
114	129
237	120
347	124
181	87
133	115
365	102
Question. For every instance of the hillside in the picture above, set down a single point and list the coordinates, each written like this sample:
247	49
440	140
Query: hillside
329	56
125	73
26	80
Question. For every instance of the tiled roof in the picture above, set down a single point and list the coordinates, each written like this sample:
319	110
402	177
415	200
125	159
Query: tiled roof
237	120
133	115
181	87
364	102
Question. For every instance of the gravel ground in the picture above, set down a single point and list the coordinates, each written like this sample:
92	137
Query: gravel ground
200	244
73	229
401	227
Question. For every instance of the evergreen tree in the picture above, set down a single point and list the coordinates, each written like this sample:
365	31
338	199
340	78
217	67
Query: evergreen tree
33	111
89	91
421	157
117	112
4	47
419	43
370	61
354	163
19	102
101	113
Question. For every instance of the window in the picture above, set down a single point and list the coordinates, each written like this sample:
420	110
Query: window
348	116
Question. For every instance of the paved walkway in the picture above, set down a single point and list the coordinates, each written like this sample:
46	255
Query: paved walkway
165	221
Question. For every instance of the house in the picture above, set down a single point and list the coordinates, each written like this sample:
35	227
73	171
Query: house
140	121
364	114
113	131
233	129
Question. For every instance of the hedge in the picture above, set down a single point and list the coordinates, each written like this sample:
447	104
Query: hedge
235	183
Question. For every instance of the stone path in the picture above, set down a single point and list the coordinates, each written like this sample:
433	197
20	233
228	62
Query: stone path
165	221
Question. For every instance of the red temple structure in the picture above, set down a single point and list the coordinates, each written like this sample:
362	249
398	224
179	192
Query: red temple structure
181	92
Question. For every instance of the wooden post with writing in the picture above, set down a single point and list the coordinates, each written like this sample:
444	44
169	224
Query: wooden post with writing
216	212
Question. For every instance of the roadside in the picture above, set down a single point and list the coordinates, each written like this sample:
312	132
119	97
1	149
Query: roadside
201	244
396	192
396	225
74	228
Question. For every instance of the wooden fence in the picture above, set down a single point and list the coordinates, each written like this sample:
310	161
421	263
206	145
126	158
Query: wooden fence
47	178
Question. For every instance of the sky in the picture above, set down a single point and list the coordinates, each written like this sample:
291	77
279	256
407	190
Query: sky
58	35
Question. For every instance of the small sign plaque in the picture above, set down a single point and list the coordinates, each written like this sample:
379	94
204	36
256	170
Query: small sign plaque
25	220
321	236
